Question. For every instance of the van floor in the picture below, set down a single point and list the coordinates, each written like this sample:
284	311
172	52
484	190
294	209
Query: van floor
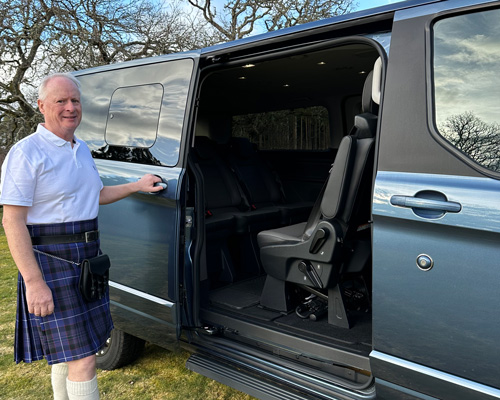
241	301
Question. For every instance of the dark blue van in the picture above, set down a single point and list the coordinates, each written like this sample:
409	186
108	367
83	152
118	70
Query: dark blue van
330	227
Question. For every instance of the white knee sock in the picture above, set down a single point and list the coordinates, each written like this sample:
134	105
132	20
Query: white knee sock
83	390
58	378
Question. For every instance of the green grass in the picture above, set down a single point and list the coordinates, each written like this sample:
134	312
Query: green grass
157	375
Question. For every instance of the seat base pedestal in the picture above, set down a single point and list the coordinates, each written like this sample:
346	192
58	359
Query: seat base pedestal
337	313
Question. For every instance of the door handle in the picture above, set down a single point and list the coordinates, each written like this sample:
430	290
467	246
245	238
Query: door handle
163	183
426	204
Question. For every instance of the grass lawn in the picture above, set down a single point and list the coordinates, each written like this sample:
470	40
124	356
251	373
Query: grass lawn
157	374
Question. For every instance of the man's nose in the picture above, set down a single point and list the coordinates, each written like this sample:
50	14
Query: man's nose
70	106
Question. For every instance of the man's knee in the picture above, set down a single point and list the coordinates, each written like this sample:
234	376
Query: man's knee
82	370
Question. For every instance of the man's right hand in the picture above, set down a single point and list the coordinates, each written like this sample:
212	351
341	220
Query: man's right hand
39	298
38	294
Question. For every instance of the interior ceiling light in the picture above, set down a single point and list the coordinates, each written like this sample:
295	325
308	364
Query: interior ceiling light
249	65
322	63
362	72
241	78
286	85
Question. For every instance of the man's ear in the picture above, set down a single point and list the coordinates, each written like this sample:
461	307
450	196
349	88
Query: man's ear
40	106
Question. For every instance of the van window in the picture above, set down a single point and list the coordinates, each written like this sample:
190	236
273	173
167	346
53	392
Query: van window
133	116
467	84
136	113
297	129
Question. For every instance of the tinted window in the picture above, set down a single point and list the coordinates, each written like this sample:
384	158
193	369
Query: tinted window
467	84
297	129
133	116
136	114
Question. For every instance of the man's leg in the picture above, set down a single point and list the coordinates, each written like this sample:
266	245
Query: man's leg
58	378
82	379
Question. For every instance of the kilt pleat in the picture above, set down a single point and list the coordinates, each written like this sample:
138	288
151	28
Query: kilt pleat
76	329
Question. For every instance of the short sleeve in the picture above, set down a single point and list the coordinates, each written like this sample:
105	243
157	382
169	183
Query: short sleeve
18	179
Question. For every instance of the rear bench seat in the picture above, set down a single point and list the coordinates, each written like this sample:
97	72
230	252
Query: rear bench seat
260	184
226	207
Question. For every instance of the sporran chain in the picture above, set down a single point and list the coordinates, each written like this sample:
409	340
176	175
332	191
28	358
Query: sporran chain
56	257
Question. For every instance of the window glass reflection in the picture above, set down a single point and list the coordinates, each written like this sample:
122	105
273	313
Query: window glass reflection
133	116
467	84
139	90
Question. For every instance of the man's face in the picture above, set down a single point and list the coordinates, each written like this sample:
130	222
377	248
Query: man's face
61	107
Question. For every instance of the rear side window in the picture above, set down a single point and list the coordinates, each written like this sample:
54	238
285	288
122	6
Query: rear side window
297	129
136	113
133	116
467	84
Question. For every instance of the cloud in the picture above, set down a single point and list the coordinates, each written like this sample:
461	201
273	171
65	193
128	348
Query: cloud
466	65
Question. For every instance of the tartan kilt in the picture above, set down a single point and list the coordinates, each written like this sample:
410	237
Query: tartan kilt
77	329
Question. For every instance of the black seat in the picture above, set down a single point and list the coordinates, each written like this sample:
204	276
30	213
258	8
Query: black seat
226	205
260	183
332	241
227	213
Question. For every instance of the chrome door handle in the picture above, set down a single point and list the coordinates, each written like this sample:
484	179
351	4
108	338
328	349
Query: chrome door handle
426	204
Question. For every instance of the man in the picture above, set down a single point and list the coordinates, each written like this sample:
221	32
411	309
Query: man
50	187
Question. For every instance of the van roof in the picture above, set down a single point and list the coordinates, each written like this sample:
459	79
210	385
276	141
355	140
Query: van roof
281	33
277	35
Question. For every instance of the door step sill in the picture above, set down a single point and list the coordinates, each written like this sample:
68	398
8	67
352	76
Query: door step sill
239	379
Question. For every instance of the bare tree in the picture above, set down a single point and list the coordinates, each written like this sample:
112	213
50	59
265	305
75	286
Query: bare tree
478	139
294	12
42	36
239	18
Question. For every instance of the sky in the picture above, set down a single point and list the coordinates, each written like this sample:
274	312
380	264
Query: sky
365	4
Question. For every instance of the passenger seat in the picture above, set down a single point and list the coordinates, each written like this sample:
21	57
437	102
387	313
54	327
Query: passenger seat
333	241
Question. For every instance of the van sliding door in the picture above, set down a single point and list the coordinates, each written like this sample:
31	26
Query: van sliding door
134	123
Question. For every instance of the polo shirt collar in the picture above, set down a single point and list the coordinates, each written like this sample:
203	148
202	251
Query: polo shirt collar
52	137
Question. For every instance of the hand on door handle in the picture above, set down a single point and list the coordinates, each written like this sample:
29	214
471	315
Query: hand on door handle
162	183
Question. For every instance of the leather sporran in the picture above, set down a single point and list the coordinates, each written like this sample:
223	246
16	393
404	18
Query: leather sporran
94	277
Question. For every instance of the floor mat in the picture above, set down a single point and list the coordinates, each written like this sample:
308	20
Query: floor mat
239	295
243	298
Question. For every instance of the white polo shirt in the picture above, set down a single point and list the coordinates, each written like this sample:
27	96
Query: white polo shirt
58	183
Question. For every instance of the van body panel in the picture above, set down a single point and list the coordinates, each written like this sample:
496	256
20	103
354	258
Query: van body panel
148	317
435	268
434	383
140	234
149	243
441	318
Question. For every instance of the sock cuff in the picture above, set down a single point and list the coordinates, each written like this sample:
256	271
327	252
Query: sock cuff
60	369
82	388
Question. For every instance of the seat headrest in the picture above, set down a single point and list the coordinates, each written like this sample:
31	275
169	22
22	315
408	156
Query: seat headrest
366	125
242	147
367	104
204	147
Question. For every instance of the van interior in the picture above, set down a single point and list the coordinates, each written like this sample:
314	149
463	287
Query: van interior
281	176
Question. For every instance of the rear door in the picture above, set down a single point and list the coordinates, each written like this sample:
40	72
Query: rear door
135	123
436	210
